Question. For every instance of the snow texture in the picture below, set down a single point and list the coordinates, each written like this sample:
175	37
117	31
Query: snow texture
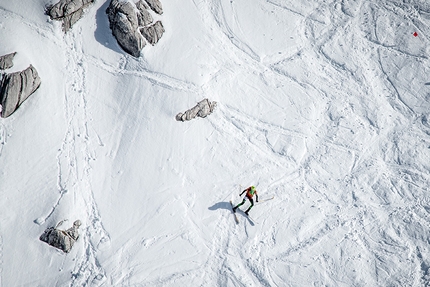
324	105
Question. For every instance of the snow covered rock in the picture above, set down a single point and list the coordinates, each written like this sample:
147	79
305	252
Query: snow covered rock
153	33
15	88
6	61
68	11
155	6
202	109
61	239
125	26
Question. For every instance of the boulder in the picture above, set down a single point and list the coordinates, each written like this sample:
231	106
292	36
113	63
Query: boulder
125	26
155	5
153	33
144	17
15	88
68	11
6	61
61	239
202	109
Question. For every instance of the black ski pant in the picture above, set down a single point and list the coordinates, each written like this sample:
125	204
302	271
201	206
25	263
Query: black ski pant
243	201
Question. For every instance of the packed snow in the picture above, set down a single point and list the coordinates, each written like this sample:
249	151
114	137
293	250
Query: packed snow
323	105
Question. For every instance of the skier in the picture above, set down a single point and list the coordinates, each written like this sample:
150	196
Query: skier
250	191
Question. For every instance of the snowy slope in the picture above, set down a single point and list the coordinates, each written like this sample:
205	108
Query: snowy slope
323	104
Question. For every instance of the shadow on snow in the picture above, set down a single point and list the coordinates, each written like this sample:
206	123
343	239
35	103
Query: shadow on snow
226	205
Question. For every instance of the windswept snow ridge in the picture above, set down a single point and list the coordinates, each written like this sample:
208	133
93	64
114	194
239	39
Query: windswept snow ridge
322	105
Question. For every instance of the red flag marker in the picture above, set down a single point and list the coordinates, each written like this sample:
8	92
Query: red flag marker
415	34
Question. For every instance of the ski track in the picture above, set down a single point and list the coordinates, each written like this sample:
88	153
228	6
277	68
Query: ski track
3	137
133	67
74	166
49	34
1	257
239	255
365	225
238	124
78	149
317	44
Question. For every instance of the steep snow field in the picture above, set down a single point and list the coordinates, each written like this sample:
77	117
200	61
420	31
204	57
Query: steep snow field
324	105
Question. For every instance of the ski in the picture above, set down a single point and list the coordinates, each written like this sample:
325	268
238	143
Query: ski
234	213
252	220
266	199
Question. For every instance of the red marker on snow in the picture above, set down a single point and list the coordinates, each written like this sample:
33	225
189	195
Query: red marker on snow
415	34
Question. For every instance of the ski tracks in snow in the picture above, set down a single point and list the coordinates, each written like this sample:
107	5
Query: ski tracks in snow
74	161
133	67
74	158
225	264
296	165
3	137
370	156
1	256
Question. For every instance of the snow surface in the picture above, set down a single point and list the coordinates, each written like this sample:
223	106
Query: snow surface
324	105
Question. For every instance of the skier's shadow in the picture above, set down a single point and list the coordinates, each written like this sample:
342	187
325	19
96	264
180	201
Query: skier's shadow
227	206
243	214
221	205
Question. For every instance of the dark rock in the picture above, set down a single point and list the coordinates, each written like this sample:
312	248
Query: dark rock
15	88
6	61
153	33
68	11
155	6
125	26
144	17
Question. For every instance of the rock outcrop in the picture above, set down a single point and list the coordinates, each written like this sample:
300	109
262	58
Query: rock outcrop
202	109
68	11
125	26
61	239
15	88
153	33
6	61
155	6
131	24
143	16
